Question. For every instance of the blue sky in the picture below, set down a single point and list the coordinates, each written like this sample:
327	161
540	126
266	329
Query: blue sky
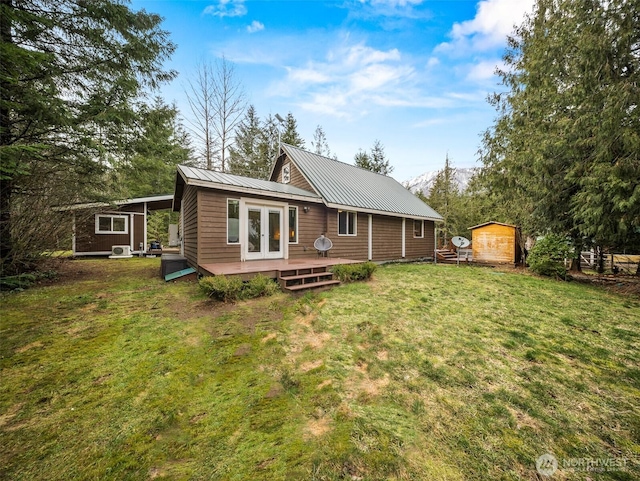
414	74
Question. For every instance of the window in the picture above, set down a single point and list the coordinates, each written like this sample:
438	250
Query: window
293	225
286	174
347	221
418	228
233	221
112	224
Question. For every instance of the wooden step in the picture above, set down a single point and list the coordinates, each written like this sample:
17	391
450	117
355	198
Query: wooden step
299	279
313	285
306	276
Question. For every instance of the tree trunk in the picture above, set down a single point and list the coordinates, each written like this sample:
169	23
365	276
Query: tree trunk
576	264
6	186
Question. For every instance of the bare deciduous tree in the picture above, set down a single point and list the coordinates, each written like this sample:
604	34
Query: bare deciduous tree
230	104
201	103
217	102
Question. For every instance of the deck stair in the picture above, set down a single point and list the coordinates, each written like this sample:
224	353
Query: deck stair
446	255
294	280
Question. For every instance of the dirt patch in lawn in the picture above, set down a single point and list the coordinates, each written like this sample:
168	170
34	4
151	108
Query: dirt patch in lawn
317	427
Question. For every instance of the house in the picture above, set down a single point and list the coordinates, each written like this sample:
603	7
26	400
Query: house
496	243
367	216
99	226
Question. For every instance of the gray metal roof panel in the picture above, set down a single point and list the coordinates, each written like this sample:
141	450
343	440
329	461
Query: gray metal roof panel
230	180
350	186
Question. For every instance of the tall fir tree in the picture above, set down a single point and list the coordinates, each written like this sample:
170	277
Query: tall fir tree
70	74
443	197
158	145
290	135
375	160
246	154
565	147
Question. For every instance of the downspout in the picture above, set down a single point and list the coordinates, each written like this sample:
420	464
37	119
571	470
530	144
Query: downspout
132	225
144	245
370	237
73	235
404	235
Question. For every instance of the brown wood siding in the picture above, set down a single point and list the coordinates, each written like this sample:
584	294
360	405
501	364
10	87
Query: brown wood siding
416	248
212	228
387	238
190	224
297	179
138	232
348	247
88	241
494	243
311	225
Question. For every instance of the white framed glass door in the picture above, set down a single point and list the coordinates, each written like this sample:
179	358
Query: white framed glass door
264	239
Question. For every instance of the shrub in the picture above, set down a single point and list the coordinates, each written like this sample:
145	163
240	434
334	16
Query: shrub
354	272
548	254
259	286
222	288
229	289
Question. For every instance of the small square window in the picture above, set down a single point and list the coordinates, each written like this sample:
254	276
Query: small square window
347	221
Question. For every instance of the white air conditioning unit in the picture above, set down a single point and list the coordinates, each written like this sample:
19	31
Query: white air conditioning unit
120	252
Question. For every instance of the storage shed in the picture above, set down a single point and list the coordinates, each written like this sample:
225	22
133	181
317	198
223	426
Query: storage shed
496	243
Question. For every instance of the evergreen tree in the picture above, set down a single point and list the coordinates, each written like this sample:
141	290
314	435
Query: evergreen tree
245	155
444	198
159	145
375	161
290	135
565	148
69	74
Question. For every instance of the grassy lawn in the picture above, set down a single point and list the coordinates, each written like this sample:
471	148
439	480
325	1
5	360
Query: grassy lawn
424	373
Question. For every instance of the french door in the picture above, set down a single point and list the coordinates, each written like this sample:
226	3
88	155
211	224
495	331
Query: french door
264	239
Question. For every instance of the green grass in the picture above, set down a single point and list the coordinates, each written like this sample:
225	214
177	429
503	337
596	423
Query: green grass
425	372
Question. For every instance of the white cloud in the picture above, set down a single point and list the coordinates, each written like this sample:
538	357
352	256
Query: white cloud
351	78
433	62
226	8
494	20
255	27
484	70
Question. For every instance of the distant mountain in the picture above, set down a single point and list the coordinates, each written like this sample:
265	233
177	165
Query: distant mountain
424	182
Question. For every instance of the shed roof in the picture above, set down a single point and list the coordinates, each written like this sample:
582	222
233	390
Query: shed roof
346	186
154	202
237	183
494	223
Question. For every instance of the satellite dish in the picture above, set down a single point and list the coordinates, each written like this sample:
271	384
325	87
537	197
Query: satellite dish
460	241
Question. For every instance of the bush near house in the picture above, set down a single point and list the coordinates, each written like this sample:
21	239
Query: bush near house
354	272
547	256
229	289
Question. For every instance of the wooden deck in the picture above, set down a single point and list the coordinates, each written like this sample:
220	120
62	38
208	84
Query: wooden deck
270	268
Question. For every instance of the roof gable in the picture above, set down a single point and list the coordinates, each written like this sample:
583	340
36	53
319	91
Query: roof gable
236	183
346	186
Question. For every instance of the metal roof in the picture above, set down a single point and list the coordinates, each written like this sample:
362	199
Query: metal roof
209	178
494	223
138	200
345	185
